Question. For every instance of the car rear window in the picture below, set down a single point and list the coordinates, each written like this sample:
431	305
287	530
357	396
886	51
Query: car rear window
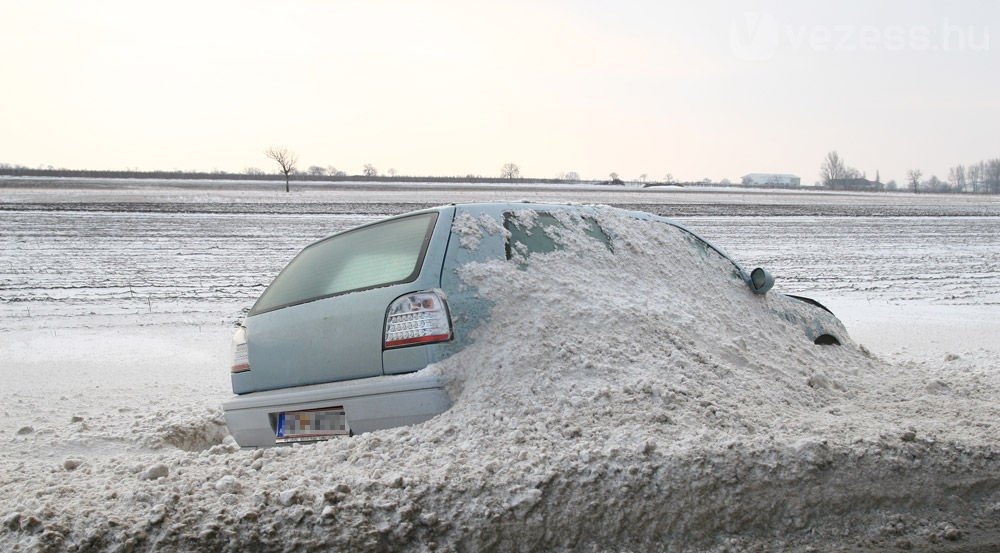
377	255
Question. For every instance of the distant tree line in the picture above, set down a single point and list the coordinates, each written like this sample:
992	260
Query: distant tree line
977	178
287	164
255	174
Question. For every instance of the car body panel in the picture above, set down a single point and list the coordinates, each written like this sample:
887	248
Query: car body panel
339	337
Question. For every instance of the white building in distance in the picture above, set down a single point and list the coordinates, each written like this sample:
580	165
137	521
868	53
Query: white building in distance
771	179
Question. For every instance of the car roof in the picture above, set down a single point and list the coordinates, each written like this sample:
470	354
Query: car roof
543	206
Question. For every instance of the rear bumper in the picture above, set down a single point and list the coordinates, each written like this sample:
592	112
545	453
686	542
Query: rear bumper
371	404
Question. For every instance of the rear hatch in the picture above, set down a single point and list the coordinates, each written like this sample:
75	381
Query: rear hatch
323	317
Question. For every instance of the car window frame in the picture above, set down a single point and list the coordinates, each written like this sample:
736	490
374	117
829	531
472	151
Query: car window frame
434	217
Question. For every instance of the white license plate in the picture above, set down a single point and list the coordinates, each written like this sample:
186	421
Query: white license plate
311	425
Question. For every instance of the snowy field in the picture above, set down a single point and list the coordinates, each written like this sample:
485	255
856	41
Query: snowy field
117	304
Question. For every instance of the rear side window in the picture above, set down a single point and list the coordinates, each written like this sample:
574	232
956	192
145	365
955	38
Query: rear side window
377	255
534	232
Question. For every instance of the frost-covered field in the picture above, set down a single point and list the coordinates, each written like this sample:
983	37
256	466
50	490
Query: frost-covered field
116	307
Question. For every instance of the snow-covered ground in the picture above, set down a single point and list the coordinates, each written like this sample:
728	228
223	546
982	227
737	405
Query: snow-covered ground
678	431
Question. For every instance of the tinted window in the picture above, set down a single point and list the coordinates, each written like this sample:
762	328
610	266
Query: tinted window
377	255
537	237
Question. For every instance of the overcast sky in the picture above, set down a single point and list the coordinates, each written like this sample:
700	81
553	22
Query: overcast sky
706	89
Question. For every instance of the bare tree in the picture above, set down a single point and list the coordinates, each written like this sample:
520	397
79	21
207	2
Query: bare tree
285	159
974	176
668	178
913	175
613	175
570	176
934	184
834	168
956	177
991	176
510	171
316	171
370	170
392	172
642	178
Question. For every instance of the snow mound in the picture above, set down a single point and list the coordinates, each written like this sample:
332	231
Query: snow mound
626	393
658	334
190	432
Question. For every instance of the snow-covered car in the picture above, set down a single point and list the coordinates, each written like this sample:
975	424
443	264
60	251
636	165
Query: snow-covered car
335	345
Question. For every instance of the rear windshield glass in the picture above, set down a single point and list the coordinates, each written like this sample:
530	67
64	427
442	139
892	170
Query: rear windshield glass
377	255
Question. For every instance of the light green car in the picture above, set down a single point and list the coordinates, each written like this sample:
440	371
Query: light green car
334	345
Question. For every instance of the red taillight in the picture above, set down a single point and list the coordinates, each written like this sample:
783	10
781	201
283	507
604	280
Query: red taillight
418	318
418	340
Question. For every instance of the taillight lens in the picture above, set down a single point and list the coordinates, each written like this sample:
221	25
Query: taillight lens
241	360
418	318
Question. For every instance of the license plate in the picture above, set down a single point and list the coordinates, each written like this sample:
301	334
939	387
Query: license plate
311	425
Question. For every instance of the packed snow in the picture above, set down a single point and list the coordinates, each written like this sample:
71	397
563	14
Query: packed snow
632	402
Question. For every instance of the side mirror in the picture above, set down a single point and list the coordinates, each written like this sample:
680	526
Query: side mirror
760	281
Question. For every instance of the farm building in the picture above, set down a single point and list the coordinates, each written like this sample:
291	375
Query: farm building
771	179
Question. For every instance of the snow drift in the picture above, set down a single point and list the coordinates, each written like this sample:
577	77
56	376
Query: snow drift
631	398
